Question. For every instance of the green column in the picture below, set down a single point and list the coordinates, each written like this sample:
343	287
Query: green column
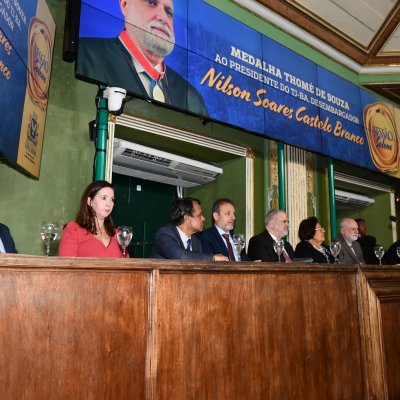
281	176
332	203
266	175
101	141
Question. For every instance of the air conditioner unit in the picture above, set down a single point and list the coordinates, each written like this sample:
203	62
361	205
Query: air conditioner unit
348	200
155	165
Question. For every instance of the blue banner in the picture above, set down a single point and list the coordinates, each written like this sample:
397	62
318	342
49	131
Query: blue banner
223	70
26	46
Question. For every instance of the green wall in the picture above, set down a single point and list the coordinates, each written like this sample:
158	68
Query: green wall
66	158
232	185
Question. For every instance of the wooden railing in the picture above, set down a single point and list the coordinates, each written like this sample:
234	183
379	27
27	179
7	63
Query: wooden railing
150	329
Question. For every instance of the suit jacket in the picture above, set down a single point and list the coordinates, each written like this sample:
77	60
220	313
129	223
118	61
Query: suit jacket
213	243
261	247
346	255
368	243
107	61
390	257
7	239
168	244
307	250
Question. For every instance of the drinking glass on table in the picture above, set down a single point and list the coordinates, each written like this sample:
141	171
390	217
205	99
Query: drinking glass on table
48	232
279	245
335	250
239	243
124	236
379	252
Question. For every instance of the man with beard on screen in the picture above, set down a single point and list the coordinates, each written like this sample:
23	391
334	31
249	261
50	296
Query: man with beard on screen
135	59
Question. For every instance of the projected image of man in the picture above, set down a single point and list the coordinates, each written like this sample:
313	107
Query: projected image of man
151	25
135	59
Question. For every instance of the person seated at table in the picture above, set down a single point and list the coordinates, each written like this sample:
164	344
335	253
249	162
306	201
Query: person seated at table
7	244
177	240
311	245
350	251
391	257
367	242
92	234
261	246
218	239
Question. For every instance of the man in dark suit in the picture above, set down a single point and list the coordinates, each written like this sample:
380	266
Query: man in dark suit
261	246
367	242
176	240
6	241
391	257
350	252
135	59
218	238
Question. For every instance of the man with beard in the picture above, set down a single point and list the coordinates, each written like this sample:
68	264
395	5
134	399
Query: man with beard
218	238
135	59
261	246
350	252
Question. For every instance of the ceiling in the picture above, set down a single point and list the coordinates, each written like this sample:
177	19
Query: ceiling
364	35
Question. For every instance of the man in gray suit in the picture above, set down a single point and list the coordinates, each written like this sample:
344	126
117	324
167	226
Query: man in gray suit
351	252
176	240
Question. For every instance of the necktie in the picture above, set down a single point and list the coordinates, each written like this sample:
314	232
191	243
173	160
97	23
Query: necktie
156	92
228	244
189	242
286	256
153	73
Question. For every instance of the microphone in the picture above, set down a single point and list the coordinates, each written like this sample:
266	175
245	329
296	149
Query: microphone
393	218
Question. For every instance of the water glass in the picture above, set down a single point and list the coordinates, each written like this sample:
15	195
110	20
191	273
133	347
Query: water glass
379	252
335	248
124	236
278	248
239	243
48	232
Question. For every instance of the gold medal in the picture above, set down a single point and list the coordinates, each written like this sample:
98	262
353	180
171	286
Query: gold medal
158	94
39	61
383	138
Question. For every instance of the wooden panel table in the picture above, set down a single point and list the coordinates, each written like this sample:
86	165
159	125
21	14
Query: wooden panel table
171	330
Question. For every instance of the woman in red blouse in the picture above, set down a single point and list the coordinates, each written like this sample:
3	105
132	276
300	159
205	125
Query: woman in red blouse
92	234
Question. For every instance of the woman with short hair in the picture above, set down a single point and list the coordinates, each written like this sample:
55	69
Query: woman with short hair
312	236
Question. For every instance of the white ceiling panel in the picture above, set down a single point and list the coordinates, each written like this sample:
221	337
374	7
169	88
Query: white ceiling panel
363	35
392	46
356	19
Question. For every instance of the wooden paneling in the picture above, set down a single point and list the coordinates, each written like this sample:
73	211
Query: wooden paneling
161	330
381	313
391	345
259	336
72	335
